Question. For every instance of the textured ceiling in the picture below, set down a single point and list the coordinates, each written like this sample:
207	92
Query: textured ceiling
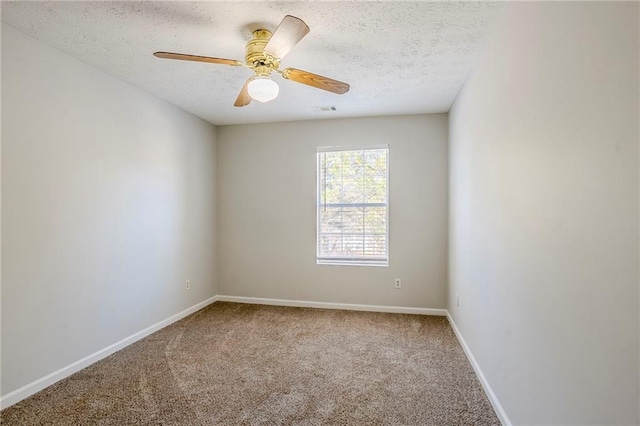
399	57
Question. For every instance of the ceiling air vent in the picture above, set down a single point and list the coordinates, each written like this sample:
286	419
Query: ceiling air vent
324	108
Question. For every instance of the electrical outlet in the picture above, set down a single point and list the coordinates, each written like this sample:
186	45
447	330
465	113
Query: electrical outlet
457	300
398	283
187	285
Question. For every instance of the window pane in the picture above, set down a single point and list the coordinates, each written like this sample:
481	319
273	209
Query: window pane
352	206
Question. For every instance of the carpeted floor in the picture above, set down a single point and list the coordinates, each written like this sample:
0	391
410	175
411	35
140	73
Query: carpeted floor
232	364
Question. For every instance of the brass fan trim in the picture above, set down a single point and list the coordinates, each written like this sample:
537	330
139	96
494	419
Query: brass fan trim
255	55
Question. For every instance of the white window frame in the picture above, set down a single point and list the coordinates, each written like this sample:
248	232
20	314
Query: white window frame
352	261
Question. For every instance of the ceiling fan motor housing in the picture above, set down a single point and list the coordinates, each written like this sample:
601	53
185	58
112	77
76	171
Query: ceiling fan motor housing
255	52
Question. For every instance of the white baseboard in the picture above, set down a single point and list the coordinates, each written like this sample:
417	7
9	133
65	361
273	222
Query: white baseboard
329	305
502	416
37	385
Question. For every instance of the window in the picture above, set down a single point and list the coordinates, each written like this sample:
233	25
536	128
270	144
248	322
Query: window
353	206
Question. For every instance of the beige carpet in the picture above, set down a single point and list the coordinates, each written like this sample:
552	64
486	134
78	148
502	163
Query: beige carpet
234	364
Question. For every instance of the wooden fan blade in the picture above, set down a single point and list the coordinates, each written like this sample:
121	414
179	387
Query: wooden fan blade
243	98
315	80
183	57
290	31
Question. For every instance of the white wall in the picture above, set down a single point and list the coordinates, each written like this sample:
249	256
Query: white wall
544	213
108	198
267	212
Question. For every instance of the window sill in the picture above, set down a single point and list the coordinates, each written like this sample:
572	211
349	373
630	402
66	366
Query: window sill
351	263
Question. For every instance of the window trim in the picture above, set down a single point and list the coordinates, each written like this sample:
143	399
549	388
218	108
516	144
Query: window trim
353	261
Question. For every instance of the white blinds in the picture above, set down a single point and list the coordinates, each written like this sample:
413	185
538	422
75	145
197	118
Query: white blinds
352	202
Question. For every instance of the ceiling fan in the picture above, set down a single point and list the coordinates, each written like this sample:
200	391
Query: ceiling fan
263	54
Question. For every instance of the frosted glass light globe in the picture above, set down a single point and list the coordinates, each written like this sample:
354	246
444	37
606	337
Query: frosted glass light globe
263	89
